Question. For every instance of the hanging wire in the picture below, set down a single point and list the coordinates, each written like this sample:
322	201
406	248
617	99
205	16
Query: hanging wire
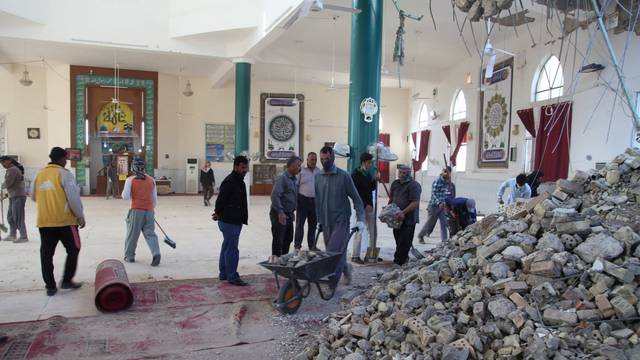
460	29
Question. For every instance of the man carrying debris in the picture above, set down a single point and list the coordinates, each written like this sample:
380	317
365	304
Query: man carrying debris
141	190
283	206
306	209
519	189
441	189
365	184
14	183
60	214
231	213
405	193
333	188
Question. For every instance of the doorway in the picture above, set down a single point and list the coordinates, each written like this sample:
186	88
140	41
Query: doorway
115	128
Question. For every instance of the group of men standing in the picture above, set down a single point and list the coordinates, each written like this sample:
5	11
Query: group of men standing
323	197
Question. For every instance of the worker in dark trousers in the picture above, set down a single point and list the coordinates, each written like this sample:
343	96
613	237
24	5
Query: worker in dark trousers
306	209
60	214
334	187
14	184
231	213
405	193
208	181
366	184
283	206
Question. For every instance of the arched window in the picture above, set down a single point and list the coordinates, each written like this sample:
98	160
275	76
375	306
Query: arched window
459	107
423	119
549	80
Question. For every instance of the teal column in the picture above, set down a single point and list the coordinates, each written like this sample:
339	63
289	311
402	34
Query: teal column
243	97
366	44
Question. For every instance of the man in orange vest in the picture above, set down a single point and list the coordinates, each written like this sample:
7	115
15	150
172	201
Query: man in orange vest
60	214
141	190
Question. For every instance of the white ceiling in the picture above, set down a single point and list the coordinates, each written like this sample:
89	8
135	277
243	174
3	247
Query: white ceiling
18	50
307	45
305	49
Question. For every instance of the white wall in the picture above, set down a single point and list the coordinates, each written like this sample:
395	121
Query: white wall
326	118
181	120
586	140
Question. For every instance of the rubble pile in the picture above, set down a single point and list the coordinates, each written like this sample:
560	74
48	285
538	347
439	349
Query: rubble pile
558	279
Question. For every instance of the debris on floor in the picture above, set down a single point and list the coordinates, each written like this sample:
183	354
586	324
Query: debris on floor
557	279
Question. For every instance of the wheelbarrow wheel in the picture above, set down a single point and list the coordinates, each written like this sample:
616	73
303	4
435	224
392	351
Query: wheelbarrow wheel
289	297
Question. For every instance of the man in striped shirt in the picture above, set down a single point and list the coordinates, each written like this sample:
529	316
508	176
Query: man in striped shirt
441	189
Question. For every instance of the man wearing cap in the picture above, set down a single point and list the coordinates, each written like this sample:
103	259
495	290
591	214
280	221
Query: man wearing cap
141	190
14	183
283	206
60	214
441	189
405	193
333	188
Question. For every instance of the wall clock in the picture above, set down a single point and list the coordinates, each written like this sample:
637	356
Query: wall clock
33	133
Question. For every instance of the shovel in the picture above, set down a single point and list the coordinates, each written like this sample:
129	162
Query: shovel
3	227
167	240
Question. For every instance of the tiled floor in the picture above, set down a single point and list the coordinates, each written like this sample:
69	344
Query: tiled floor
187	222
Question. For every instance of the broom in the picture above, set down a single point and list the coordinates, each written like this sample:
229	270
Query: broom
167	240
3	227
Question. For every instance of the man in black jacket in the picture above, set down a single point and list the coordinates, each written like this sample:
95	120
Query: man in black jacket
231	212
365	183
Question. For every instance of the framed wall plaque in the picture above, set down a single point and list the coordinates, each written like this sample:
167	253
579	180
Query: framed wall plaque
281	126
495	117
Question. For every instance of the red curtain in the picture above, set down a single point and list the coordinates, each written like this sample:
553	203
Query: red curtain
526	116
423	151
447	132
462	131
552	143
383	166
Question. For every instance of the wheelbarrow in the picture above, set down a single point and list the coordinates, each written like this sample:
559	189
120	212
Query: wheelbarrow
299	279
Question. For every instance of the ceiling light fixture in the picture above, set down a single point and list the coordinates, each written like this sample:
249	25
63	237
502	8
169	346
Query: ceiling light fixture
25	81
593	67
187	89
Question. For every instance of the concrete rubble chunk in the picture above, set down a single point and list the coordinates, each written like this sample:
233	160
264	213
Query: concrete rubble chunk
599	245
569	186
574	227
500	307
559	317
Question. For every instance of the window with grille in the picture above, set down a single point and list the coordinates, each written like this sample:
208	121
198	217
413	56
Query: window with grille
549	80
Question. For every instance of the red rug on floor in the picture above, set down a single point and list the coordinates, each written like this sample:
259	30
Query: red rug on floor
167	317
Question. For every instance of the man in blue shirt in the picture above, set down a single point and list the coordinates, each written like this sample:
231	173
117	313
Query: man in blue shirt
441	189
333	188
519	189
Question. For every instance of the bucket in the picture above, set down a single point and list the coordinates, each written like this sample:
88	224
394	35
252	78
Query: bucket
113	292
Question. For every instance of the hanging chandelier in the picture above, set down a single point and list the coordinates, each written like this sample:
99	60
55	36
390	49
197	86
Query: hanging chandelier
25	81
187	89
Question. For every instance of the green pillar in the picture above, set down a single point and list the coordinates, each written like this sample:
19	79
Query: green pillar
366	44
243	100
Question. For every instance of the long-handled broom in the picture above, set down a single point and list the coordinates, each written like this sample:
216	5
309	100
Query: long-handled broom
3	227
167	240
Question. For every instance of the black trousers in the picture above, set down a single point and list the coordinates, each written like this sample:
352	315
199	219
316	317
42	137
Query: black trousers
282	234
49	237
404	241
306	211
